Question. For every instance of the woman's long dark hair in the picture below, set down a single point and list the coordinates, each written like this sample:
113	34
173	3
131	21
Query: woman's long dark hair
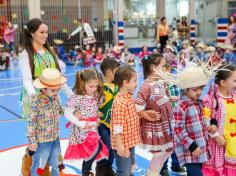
32	26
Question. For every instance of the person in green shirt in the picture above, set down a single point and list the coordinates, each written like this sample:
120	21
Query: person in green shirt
108	68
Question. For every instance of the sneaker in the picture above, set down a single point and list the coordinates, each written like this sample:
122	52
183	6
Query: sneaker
164	172
179	171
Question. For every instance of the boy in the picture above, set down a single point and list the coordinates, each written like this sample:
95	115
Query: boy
108	68
43	126
125	128
188	127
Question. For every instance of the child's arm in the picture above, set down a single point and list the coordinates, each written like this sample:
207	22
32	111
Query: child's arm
32	124
69	114
121	150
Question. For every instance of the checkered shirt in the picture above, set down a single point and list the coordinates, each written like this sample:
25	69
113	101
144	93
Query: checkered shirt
187	127
43	124
124	114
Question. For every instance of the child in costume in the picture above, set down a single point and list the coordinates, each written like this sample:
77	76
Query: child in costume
154	95
188	127
125	128
82	112
220	114
144	52
229	55
127	57
43	124
110	90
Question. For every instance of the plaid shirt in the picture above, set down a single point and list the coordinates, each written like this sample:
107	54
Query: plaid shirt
124	115
43	124
187	127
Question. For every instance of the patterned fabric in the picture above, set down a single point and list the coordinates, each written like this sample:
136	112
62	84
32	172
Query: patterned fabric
105	108
229	58
87	106
218	161
84	143
187	126
124	115
156	136
44	119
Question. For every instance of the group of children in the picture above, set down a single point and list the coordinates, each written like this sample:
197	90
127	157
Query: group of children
107	122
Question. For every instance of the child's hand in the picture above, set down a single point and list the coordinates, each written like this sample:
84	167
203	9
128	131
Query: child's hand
100	114
33	147
150	115
197	152
89	125
77	114
212	129
220	140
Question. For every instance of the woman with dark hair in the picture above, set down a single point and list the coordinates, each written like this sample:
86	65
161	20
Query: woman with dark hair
36	56
162	33
231	37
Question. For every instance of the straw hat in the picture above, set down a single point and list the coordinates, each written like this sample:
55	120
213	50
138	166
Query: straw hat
49	78
1	45
192	77
195	74
117	49
185	42
170	48
77	47
230	47
200	45
58	41
220	45
210	49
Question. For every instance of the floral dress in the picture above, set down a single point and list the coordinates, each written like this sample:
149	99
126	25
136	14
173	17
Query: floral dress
84	143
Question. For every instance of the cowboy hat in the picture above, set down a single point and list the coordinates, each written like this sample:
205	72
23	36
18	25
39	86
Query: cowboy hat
117	49
58	41
200	45
230	47
170	48
210	49
49	78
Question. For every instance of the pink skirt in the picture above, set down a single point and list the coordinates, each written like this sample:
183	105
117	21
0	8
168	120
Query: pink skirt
87	149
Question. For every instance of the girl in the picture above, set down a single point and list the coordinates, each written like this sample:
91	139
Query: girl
144	52
99	56
82	111
127	57
153	95
170	56
231	38
220	110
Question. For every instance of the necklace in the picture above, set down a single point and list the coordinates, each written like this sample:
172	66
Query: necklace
46	63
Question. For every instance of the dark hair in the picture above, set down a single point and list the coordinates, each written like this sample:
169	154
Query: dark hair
148	61
107	64
163	18
84	76
229	19
225	71
32	27
123	73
